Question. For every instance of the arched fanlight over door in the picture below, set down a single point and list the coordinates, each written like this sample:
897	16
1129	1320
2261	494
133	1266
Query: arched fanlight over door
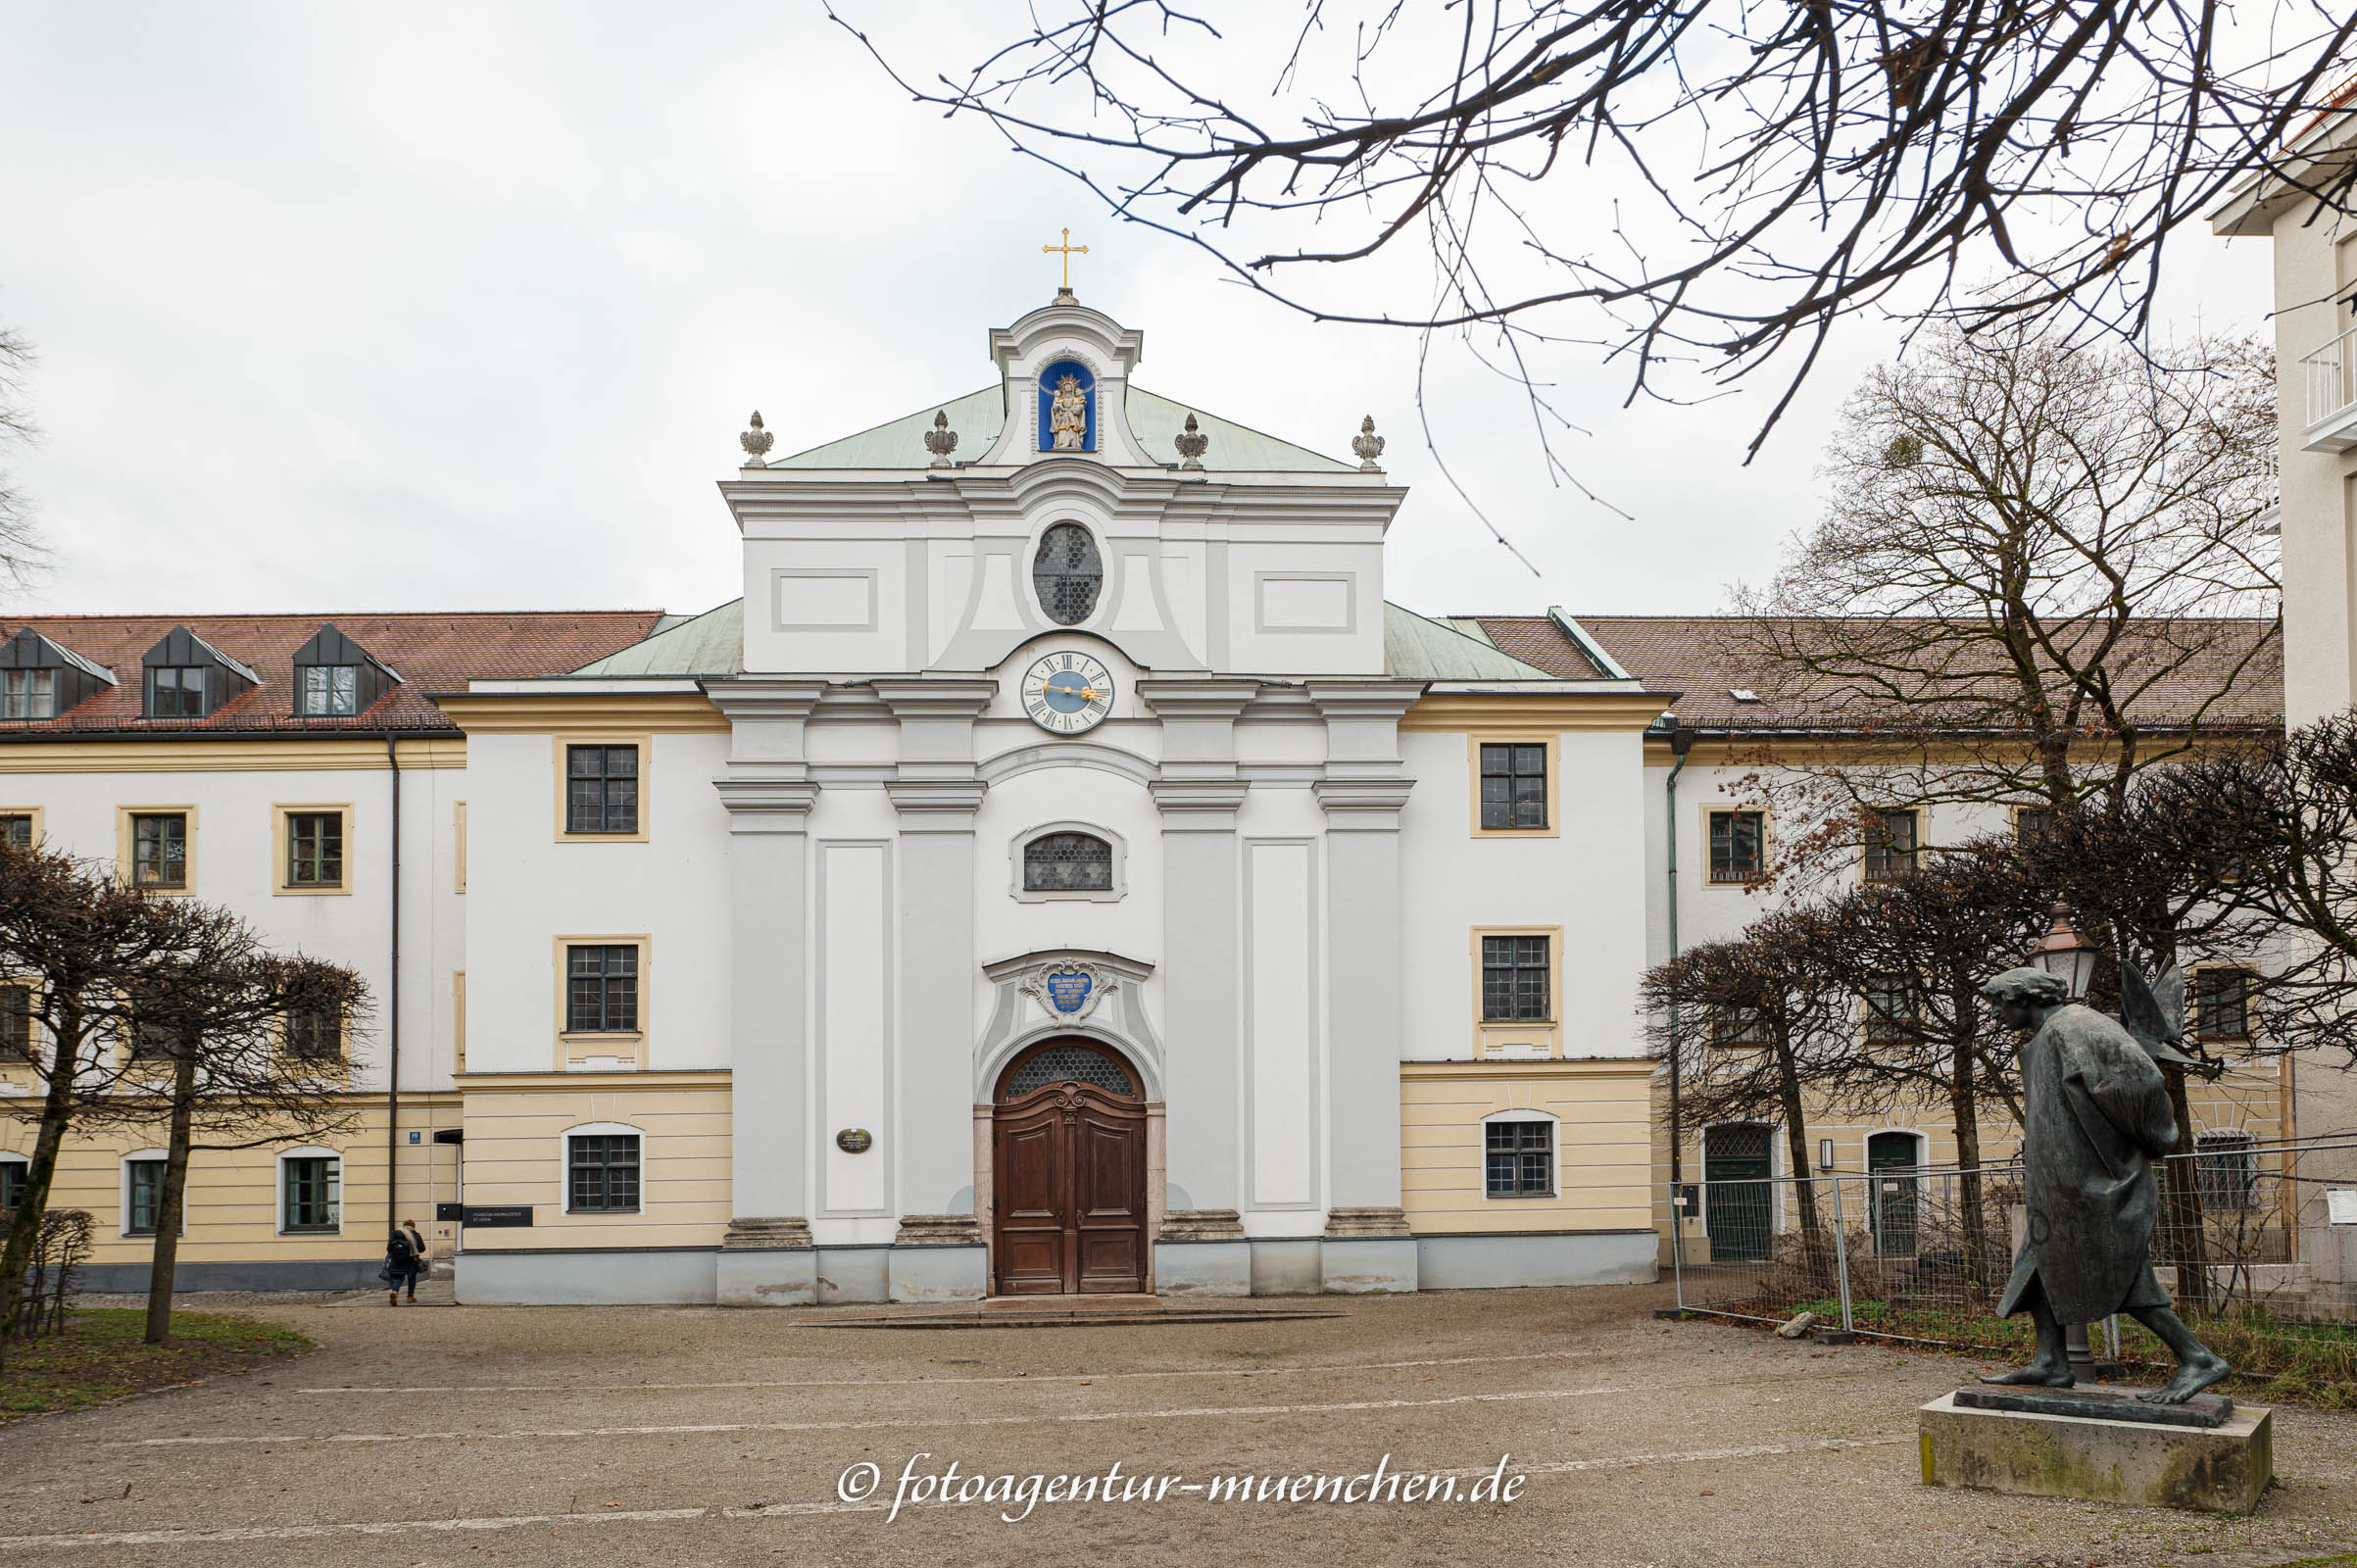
1067	574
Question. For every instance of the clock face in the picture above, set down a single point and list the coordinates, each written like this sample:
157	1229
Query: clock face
1067	693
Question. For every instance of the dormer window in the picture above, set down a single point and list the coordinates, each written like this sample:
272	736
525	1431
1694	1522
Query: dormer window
187	677
336	677
177	693
27	694
41	679
327	690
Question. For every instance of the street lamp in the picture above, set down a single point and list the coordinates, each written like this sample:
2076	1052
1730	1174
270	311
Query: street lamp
2064	953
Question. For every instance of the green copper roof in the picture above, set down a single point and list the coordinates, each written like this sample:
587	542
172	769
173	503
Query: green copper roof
710	644
977	416
1418	649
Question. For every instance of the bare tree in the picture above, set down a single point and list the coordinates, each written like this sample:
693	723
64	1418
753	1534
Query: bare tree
252	1042
1725	181
73	942
21	550
2043	569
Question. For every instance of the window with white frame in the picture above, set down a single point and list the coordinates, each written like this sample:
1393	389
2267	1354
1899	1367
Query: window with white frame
1518	1156
602	1171
311	1191
142	1194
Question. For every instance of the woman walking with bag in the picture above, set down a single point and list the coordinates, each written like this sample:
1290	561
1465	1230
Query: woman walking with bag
400	1265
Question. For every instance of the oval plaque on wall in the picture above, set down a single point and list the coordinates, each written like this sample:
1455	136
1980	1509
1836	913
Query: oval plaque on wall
854	1141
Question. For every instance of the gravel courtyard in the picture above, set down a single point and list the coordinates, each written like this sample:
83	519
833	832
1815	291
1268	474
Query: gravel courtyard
691	1435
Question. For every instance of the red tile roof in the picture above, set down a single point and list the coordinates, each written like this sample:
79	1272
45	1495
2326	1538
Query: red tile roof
1704	658
431	651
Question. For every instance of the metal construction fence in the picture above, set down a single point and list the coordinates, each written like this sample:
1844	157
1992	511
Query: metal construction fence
2246	1244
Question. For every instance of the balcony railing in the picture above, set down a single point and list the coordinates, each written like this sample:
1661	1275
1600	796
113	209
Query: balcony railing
2332	395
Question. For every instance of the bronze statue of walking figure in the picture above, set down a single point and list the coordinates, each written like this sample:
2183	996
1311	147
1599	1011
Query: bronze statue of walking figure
2099	1115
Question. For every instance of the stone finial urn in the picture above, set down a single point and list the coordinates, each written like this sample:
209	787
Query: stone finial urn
756	443
1192	444
941	440
1368	445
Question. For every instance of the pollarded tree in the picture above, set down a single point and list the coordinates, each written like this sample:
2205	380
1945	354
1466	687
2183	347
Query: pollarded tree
74	943
1776	1027
1914	953
247	1046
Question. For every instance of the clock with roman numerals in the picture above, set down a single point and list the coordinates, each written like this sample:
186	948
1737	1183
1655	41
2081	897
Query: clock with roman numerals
1067	693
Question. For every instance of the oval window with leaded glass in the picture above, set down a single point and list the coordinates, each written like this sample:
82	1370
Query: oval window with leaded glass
1068	1064
1067	862
1067	574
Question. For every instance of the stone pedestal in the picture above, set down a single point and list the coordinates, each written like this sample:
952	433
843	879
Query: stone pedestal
1201	1251
767	1262
2215	1469
938	1258
1366	1251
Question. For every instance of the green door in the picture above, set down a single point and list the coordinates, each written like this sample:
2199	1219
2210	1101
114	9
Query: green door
1736	1209
1890	1191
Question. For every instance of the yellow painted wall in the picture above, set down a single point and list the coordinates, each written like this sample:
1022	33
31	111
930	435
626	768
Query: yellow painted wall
1603	1109
232	1194
516	1126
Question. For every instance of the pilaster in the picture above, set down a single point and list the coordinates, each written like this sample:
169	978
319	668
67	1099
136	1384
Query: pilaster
934	797
1199	796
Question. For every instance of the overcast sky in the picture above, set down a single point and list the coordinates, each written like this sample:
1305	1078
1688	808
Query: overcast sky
421	307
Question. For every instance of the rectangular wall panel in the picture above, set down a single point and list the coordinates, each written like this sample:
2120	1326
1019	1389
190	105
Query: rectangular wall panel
1281	960
854	1021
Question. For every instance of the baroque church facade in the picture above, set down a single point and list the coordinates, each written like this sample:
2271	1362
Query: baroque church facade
1062	873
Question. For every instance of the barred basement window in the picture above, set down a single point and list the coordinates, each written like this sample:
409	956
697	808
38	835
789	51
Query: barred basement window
601	1173
1067	574
1514	980
601	789
601	990
1067	862
1520	1158
2226	1166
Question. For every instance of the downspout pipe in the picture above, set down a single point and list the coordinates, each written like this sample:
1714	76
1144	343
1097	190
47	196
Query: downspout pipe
1682	741
392	1118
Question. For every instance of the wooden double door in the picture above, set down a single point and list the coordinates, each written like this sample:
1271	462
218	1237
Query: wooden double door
1068	1177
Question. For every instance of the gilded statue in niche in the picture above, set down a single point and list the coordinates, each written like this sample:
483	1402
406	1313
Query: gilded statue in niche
1068	415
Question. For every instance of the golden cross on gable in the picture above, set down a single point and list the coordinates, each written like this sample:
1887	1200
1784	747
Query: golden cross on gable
1068	247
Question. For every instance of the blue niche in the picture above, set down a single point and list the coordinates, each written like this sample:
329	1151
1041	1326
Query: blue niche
1051	383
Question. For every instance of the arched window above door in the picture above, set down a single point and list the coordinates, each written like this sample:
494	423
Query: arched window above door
1067	1061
